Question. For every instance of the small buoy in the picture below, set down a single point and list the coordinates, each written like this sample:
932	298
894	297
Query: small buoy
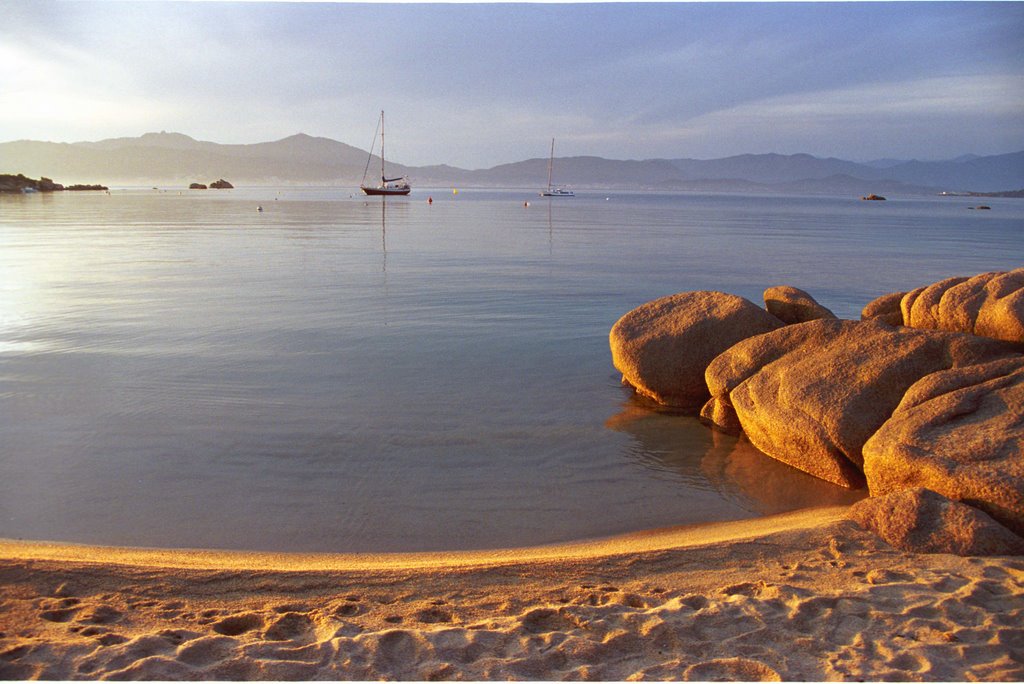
430	200
607	198
259	208
526	204
455	191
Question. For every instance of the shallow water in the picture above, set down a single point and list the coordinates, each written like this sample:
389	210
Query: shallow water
332	374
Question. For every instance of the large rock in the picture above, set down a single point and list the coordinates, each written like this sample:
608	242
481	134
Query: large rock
960	433
885	308
731	368
663	347
812	394
990	304
793	305
921	521
221	185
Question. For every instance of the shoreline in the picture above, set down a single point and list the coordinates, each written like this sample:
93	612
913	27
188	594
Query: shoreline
643	541
799	596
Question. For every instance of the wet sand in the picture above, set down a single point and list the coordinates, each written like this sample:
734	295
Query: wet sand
800	596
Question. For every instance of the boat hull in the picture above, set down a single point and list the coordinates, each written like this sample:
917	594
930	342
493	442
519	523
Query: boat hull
557	194
386	191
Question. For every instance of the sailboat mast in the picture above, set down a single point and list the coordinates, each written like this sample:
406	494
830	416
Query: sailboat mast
382	145
551	161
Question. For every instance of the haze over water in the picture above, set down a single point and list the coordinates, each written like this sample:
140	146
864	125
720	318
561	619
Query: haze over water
336	375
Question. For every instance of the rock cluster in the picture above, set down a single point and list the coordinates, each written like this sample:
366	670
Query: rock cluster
84	187
812	394
215	185
662	347
989	304
21	183
925	392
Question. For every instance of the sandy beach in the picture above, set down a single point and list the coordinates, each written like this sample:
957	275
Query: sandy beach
801	596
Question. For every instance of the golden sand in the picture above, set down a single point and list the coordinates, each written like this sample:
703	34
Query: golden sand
801	596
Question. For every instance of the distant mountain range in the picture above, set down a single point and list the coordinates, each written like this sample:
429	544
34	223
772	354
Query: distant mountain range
176	159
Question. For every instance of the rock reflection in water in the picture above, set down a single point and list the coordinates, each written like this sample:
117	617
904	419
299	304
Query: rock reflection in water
683	448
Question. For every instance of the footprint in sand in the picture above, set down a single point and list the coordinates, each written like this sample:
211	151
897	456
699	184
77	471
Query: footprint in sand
58	610
744	589
731	669
143	604
178	636
434	615
397	647
292	608
208	616
540	620
289	627
111	639
908	662
694	601
233	625
58	615
349	607
100	615
207	650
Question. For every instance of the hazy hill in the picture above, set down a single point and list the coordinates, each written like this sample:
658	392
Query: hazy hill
768	168
177	159
174	158
594	171
984	174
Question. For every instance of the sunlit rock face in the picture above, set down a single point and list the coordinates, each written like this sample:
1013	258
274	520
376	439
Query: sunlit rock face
988	304
663	347
734	366
885	308
793	305
921	521
960	433
813	393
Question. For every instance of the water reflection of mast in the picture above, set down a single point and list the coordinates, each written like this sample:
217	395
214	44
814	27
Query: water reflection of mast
384	232
551	232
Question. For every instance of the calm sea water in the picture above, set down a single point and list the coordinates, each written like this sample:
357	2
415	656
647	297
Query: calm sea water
334	374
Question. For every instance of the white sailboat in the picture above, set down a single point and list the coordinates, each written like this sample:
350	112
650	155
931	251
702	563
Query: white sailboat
388	186
553	191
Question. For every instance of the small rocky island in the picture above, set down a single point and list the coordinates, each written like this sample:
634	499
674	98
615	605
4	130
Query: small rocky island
216	185
20	183
921	401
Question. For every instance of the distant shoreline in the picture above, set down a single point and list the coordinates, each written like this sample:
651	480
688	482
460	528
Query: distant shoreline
21	184
178	158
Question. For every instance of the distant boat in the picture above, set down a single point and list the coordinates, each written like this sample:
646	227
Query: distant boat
552	191
388	186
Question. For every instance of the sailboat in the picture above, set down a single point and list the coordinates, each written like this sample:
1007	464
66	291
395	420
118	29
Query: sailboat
388	186
554	192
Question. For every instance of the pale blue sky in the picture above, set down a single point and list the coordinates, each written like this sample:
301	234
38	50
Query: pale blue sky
475	85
